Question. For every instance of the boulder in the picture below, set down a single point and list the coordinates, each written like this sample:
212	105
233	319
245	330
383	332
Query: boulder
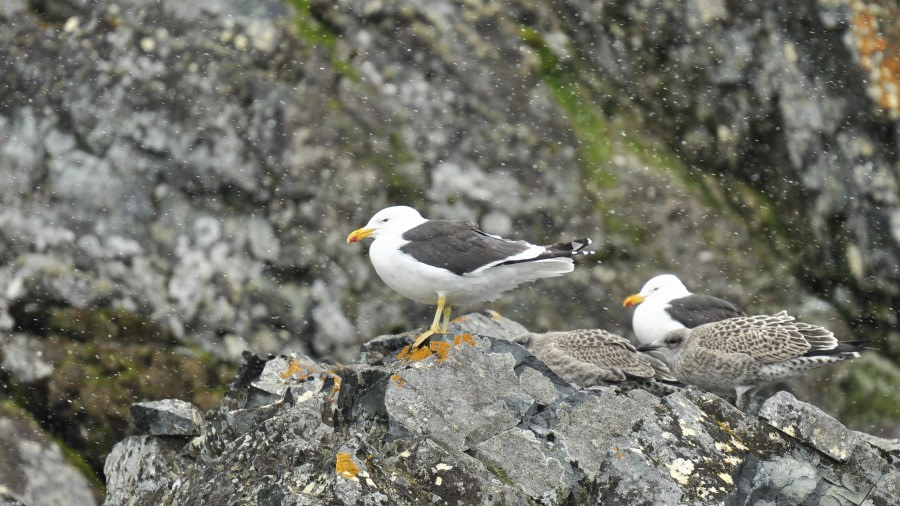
476	419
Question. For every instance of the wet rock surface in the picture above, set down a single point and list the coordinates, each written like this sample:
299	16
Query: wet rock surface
456	423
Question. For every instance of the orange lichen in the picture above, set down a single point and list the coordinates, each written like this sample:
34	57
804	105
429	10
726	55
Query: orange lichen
345	467
438	348
295	368
337	384
877	41
459	319
407	354
441	349
464	338
399	380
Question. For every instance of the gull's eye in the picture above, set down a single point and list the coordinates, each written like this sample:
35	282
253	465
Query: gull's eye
384	220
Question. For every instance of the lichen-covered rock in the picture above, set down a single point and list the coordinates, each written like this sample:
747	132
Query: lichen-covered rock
458	422
140	470
809	424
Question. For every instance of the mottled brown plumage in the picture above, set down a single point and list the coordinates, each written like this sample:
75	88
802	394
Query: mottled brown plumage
589	357
740	354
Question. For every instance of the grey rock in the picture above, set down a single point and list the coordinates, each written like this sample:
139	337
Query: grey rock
22	358
447	409
168	417
33	469
141	469
478	420
806	422
533	465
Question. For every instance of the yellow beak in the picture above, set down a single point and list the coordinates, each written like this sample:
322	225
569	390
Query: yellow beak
360	233
633	300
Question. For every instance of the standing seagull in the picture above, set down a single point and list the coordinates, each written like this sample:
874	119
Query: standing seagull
666	305
741	354
589	357
453	262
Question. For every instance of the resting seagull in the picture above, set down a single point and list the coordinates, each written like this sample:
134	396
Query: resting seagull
589	357
665	304
740	354
453	262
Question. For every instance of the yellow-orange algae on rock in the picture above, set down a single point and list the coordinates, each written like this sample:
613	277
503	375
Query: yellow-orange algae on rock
345	467
409	355
441	349
295	368
464	338
398	380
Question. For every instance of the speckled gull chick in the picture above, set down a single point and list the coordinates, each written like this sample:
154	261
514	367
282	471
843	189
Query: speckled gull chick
665	304
741	354
589	357
453	262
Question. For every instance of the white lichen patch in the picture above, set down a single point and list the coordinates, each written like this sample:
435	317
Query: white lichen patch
839	453
702	491
789	430
307	395
732	461
668	435
442	467
309	488
724	447
405	454
687	431
726	478
737	444
438	480
680	470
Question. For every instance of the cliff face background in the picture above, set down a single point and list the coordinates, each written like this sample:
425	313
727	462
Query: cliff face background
178	180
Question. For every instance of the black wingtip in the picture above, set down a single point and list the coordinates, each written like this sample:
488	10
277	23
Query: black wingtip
843	347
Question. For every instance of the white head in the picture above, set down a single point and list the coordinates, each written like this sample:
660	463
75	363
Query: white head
662	287
396	219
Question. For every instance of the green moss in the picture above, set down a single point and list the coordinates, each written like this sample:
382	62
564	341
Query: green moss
586	119
87	398
316	34
499	473
310	29
105	323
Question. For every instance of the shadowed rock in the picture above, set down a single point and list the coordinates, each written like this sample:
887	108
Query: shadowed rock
169	417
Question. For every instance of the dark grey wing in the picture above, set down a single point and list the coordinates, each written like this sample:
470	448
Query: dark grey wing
458	246
695	310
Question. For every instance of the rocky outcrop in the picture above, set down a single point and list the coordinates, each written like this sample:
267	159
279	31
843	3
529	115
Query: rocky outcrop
475	419
179	178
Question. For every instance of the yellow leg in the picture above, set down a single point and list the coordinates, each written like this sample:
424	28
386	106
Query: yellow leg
435	328
446	327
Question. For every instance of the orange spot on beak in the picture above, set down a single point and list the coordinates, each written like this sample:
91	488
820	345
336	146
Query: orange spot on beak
358	234
633	300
